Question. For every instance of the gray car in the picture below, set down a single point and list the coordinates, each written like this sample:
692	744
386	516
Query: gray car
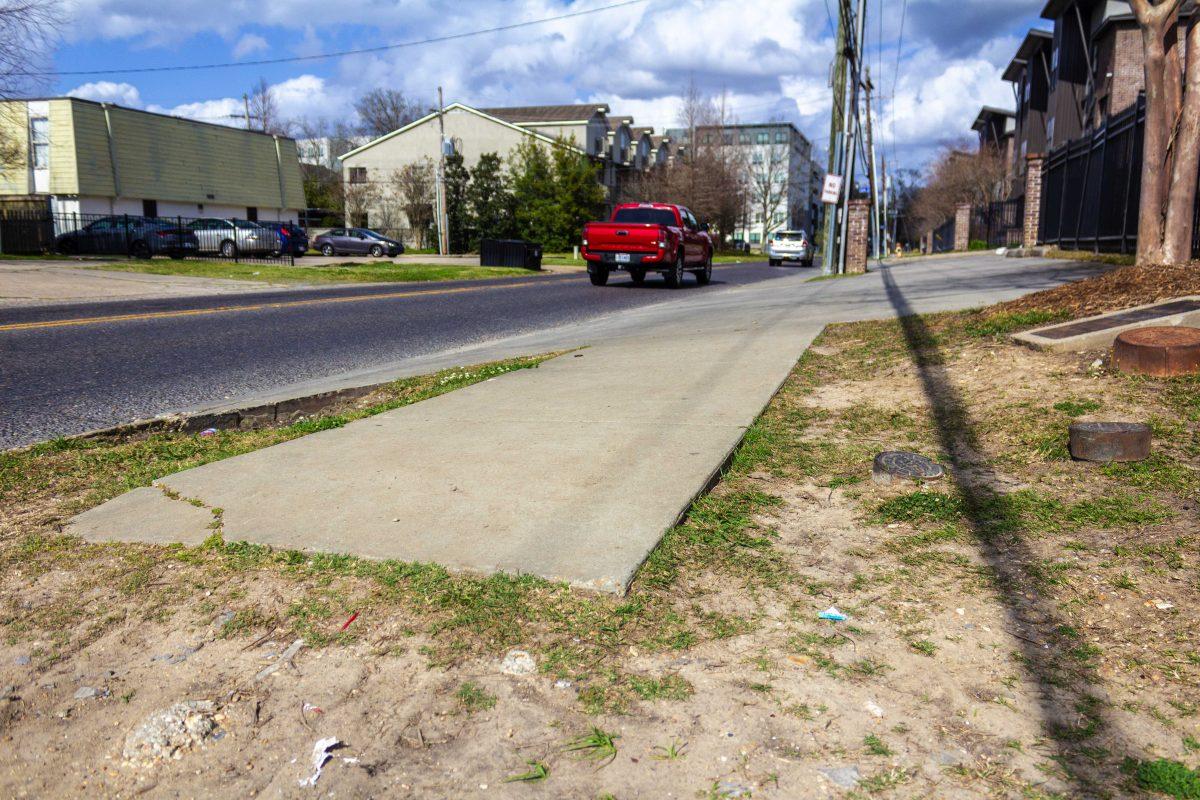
231	237
356	241
790	246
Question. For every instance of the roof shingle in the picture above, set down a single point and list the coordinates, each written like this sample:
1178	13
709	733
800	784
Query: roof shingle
533	114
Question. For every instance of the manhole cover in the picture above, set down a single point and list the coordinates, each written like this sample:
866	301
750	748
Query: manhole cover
1162	351
892	464
1110	441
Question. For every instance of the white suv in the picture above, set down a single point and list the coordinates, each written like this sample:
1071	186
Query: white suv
790	246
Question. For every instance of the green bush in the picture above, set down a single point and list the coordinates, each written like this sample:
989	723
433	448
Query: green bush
978	244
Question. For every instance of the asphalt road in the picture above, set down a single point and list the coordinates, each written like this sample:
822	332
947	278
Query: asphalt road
72	368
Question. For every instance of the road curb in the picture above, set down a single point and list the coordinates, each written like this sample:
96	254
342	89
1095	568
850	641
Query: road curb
258	415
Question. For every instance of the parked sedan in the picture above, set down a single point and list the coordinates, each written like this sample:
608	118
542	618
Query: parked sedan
357	242
231	237
292	237
790	246
142	237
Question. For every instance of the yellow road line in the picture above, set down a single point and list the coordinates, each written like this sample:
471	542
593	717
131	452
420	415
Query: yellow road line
191	312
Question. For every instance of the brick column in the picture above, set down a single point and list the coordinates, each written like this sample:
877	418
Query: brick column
1033	200
962	226
857	229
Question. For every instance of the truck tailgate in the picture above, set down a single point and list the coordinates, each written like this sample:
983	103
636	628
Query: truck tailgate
622	237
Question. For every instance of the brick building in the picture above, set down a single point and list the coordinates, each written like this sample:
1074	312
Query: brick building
1029	74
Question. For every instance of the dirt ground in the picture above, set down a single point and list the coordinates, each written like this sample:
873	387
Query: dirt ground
1024	628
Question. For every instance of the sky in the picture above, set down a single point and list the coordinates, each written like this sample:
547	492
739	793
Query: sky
934	62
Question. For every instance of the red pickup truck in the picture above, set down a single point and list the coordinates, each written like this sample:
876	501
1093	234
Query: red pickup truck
648	237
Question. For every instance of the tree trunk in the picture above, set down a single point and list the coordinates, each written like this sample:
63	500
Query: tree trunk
1155	167
1177	238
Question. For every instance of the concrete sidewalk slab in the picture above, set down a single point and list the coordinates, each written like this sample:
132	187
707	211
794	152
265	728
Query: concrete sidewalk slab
146	515
571	471
574	470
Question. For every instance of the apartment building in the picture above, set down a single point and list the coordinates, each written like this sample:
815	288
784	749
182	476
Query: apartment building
74	156
777	150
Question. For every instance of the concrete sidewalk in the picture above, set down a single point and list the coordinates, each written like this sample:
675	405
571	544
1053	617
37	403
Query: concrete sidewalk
572	471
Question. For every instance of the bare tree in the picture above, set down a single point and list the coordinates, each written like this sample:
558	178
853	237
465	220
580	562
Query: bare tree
26	31
768	179
957	175
414	185
711	180
1171	149
264	111
357	200
381	111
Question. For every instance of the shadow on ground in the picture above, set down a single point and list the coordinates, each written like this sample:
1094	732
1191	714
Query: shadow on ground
1074	720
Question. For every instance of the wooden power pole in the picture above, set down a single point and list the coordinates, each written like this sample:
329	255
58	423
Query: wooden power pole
837	128
442	215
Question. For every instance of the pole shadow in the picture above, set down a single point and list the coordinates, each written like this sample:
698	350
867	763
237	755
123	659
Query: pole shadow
1075	720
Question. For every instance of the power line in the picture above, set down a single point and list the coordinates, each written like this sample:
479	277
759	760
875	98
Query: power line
896	76
338	54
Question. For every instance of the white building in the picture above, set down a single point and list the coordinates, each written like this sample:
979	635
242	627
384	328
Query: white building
784	192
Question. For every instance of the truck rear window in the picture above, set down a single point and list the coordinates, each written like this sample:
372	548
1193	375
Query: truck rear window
650	216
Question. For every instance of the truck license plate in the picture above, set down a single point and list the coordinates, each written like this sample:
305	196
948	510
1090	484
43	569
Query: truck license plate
622	258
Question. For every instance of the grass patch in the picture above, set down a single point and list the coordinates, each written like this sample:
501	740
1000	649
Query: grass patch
1166	777
1077	408
982	325
537	771
347	272
876	746
596	745
473	698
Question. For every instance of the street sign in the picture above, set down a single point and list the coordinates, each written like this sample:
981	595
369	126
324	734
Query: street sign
832	190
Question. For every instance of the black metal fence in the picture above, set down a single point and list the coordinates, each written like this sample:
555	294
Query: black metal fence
1091	185
25	232
942	238
1000	223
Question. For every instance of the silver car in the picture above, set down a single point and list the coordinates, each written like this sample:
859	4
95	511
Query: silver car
231	237
790	246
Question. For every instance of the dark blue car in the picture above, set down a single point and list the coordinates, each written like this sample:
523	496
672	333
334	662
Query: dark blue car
291	237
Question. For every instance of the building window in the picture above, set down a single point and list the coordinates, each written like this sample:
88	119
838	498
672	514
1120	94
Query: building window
780	137
756	157
39	138
358	174
149	208
755	238
762	137
252	213
743	138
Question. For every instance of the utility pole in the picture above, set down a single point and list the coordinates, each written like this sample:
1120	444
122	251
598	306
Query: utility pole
852	118
246	103
443	217
837	127
871	177
883	219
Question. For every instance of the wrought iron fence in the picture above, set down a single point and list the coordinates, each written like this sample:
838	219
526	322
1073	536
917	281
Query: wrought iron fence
25	232
1090	187
942	238
1000	223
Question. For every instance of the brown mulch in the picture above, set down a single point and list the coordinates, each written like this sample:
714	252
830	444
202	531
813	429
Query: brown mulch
1120	288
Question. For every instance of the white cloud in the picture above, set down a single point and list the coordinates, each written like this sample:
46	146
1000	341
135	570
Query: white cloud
125	94
771	59
249	44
